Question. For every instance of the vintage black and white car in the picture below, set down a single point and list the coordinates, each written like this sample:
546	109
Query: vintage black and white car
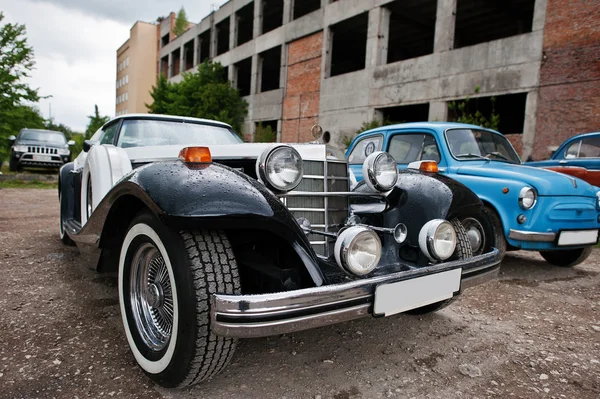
215	239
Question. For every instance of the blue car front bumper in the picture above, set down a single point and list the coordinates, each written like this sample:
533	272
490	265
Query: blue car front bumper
552	224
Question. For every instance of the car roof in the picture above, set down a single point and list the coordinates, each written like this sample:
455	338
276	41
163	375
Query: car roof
170	118
437	126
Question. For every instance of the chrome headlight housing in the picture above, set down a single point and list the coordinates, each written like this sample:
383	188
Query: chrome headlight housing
437	239
280	168
527	198
380	171
63	151
358	250
20	148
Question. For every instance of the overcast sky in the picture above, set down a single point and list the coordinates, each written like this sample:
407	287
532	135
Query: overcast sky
75	44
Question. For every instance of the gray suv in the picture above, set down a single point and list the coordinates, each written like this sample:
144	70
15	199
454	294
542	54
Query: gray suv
39	148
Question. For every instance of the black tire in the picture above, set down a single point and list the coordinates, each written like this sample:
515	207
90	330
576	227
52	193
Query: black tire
567	258
64	237
13	165
463	251
497	236
198	264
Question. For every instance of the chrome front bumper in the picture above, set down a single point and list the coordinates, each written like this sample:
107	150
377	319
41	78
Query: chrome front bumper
250	316
534	236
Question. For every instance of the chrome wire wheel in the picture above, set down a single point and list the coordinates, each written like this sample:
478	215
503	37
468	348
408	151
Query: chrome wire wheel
151	297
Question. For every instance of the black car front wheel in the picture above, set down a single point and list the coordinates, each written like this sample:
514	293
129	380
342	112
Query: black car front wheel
64	237
566	258
13	164
166	279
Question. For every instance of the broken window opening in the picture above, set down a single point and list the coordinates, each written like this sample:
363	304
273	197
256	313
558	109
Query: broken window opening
480	21
349	45
272	15
509	107
164	40
270	69
164	66
223	36
245	24
188	55
175	62
265	131
303	7
243	70
405	113
204	47
411	29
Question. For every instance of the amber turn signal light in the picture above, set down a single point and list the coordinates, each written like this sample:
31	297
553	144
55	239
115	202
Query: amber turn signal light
429	166
195	155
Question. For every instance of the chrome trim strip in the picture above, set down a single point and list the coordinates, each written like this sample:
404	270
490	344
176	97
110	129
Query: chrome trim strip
330	194
261	315
531	236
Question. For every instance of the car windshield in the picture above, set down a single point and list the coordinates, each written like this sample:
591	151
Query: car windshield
44	136
473	144
147	132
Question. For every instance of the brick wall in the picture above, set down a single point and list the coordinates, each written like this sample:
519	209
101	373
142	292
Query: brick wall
301	101
569	94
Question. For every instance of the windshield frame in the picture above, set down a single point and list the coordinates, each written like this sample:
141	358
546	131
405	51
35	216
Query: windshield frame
483	157
41	133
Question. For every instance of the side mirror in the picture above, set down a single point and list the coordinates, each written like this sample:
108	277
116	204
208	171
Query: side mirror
71	143
87	144
12	137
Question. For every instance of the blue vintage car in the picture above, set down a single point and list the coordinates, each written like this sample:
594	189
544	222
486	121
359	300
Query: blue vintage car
526	207
578	156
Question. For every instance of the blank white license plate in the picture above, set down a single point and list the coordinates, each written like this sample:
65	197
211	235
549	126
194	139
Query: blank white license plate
578	237
42	158
411	294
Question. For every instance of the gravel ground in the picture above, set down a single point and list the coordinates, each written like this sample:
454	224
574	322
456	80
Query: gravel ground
533	333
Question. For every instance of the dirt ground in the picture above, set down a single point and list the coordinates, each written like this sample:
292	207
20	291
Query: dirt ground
533	333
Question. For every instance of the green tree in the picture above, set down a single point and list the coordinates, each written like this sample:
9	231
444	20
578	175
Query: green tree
204	94
95	122
264	134
465	114
181	22
16	62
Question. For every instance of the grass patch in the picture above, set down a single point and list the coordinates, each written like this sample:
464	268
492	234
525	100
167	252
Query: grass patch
27	184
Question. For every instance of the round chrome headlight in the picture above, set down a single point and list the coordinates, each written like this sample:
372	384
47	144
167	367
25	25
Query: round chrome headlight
358	250
527	198
437	239
380	171
280	168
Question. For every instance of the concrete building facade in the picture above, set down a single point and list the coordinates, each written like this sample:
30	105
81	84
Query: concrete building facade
340	63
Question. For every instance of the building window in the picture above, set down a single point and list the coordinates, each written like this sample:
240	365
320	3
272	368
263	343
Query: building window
411	29
243	76
223	36
245	24
349	45
272	15
127	79
270	69
405	113
303	7
482	21
510	108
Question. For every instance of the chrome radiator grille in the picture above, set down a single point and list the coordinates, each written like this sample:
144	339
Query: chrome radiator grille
42	150
324	213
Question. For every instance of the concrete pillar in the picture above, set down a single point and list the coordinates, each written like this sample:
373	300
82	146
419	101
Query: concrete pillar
258	16
324	3
255	75
529	124
233	24
327	52
197	42
213	40
232	75
377	36
170	68
438	111
287	11
181	60
444	25
539	15
279	127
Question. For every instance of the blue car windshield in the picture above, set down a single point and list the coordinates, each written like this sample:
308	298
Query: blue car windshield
474	144
145	132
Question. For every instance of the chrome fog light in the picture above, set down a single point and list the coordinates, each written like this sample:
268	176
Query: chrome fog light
380	171
400	233
280	168
437	239
358	250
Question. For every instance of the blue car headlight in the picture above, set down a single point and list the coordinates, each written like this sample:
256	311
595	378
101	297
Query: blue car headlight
527	198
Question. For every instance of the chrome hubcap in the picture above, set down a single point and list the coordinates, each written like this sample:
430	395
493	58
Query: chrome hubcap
151	297
474	233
